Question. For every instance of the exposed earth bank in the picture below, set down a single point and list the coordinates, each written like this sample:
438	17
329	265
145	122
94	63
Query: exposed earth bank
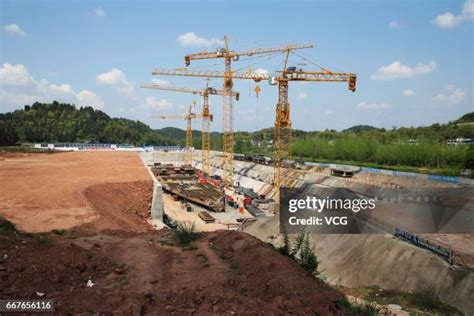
222	272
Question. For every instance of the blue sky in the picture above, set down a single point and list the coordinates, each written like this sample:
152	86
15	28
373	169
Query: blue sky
413	59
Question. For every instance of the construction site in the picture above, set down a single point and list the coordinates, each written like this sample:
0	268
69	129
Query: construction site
106	218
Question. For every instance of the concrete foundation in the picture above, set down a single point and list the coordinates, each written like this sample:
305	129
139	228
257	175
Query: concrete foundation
157	200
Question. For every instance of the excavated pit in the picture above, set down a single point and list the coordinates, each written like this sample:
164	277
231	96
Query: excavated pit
367	260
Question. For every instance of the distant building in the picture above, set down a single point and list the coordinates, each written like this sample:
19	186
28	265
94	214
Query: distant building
459	141
87	147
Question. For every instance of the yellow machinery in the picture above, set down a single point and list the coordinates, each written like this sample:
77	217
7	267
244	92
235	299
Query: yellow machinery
282	127
188	157
227	107
206	116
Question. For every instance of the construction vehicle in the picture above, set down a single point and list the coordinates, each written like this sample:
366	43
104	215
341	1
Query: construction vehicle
188	158
206	116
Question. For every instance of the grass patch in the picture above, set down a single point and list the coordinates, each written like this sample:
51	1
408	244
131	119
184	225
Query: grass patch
7	227
418	303
25	149
234	265
452	171
165	242
223	256
189	247
64	233
179	259
185	233
204	260
421	301
117	283
44	239
59	232
368	309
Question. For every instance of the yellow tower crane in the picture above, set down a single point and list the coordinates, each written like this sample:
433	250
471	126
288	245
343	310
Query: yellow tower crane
282	114
227	107
188	157
206	116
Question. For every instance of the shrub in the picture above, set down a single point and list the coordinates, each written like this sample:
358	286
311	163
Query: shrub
301	252
185	233
285	249
7	227
367	309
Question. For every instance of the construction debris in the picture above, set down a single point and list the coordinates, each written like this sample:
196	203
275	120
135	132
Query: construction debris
184	182
345	172
206	217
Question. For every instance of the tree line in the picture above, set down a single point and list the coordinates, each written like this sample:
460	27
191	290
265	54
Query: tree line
420	147
60	122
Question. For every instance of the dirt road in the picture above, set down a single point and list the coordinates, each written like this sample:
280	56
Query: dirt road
43	192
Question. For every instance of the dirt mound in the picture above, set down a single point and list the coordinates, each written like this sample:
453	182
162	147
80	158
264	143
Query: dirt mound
123	206
147	273
45	268
273	278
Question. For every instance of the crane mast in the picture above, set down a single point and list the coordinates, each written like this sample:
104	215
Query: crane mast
206	116
282	126
188	157
228	121
227	106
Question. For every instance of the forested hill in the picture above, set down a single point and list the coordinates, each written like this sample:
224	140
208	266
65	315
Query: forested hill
423	148
466	118
58	122
360	128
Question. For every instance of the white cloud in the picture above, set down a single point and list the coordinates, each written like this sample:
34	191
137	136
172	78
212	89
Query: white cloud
393	24
468	10
116	78
364	105
261	71
128	90
14	29
89	98
98	12
449	19
302	96
112	77
11	101
328	112
408	92
14	75
154	104
191	39
62	88
397	70
450	95
161	82
20	88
